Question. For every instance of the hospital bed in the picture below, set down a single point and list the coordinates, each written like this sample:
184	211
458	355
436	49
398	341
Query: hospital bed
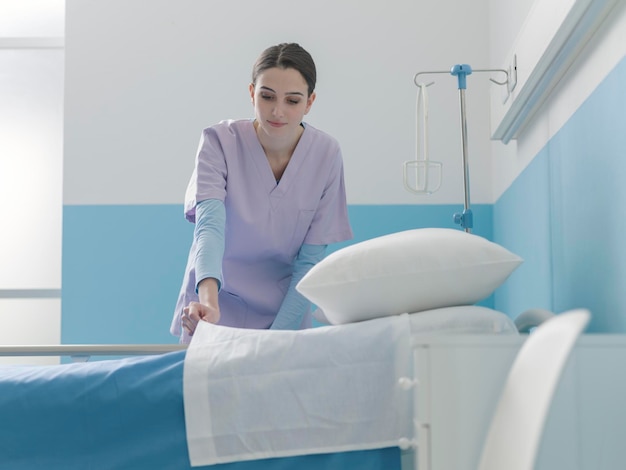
125	413
130	412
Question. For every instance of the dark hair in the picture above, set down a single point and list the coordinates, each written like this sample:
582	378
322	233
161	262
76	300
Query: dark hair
287	55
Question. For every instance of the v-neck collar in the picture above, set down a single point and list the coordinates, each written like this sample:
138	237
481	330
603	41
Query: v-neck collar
267	178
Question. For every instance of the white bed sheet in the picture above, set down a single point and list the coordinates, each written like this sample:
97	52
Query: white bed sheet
254	394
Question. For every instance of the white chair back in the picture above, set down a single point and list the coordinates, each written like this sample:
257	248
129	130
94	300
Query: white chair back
515	431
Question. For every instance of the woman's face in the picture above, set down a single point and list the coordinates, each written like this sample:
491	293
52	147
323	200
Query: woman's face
280	101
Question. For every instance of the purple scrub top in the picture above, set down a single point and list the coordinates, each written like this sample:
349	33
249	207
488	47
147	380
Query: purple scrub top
266	222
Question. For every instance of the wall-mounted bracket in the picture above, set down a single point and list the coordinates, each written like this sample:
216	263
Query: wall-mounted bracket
512	76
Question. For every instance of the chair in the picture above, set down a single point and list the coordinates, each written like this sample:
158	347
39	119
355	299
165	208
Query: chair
516	428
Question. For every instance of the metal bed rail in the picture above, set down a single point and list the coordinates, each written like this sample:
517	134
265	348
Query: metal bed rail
82	352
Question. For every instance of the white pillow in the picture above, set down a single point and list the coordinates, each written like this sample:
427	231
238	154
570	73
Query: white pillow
409	271
465	319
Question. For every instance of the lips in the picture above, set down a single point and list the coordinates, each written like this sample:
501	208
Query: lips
276	124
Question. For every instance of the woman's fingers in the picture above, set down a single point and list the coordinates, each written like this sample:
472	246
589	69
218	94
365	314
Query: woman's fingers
196	312
191	316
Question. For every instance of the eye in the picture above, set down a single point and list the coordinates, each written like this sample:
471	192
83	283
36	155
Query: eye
267	97
293	101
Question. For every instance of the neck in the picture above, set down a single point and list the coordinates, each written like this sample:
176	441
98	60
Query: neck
279	149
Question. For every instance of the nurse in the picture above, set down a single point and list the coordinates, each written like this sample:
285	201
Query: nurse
267	196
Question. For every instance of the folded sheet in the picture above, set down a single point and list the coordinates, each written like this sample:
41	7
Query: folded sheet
254	394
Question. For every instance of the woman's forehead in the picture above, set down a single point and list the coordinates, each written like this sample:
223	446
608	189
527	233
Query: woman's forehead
282	80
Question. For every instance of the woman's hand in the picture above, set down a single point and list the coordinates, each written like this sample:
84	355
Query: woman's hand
195	312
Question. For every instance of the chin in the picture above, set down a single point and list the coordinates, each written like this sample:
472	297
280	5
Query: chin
271	130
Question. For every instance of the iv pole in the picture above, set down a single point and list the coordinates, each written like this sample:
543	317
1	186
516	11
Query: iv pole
461	71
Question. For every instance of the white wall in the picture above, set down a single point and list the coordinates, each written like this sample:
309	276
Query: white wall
140	87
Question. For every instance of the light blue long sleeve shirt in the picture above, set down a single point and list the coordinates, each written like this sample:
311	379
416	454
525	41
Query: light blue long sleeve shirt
209	233
295	305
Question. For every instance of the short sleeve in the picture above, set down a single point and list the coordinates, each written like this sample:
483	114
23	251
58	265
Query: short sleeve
208	180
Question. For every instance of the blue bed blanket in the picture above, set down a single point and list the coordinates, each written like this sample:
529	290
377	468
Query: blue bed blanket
121	414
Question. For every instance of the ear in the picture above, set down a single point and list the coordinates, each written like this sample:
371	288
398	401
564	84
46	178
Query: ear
251	89
309	102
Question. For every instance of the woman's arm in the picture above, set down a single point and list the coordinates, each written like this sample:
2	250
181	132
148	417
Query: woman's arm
209	235
295	306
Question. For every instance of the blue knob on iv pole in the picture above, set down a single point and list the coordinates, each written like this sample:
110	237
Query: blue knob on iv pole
465	219
461	71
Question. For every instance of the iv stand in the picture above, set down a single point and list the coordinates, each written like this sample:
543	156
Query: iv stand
461	71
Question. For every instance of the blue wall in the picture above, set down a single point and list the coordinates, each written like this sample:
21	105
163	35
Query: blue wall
565	216
522	224
123	265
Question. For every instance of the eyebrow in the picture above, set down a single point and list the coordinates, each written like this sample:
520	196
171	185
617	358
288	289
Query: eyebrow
288	93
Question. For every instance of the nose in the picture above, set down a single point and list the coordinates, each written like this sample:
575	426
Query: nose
277	111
